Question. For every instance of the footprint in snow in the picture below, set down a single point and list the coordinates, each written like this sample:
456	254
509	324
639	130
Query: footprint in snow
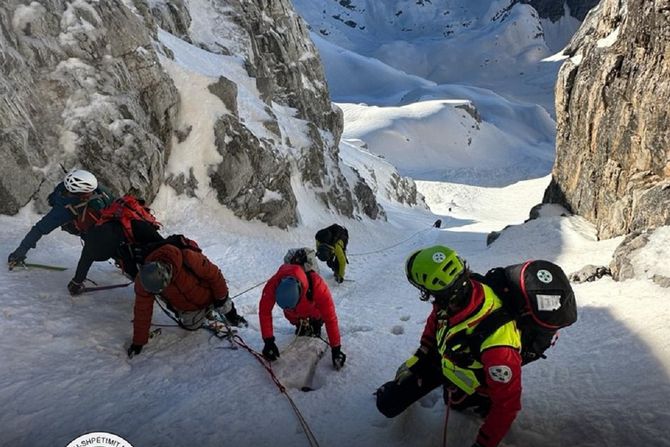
397	330
405	318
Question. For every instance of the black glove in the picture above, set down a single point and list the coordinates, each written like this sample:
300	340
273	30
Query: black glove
75	288
16	257
339	279
134	350
236	319
339	357
270	350
225	302
423	363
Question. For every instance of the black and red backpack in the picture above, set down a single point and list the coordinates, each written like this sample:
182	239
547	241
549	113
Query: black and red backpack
125	210
538	295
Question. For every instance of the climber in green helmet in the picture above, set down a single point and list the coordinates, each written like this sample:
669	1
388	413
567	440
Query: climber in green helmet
484	375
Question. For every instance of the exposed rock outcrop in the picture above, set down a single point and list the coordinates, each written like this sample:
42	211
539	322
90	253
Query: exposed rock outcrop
86	84
643	254
556	9
590	273
613	141
82	87
254	175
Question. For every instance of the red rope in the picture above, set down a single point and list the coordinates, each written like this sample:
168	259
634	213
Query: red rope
311	438
237	339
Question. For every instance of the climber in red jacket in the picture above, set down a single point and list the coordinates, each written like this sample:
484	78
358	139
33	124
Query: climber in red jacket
307	304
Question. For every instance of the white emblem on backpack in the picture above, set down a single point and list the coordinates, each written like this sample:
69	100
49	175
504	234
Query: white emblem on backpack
500	373
548	302
439	257
545	276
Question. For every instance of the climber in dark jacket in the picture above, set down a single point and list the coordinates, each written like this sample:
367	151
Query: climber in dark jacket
109	241
331	247
75	206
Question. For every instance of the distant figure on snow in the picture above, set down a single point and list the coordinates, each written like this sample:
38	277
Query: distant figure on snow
75	206
188	283
331	248
307	304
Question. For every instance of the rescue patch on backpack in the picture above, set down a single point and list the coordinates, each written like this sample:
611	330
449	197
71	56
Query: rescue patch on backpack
500	373
538	295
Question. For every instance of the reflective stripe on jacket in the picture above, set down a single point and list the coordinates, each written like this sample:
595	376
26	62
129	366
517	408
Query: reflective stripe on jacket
468	379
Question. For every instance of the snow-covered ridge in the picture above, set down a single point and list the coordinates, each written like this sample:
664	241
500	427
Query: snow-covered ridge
65	370
490	44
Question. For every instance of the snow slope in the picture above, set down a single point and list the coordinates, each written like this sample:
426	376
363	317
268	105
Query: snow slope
458	139
65	372
418	90
483	43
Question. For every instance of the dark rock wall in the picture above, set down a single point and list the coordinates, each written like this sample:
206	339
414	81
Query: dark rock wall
78	92
613	139
83	86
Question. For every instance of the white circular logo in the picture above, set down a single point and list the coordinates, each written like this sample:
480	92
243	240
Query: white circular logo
439	257
99	439
500	373
545	276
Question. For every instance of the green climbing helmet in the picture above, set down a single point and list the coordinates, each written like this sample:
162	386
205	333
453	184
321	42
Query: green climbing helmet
434	269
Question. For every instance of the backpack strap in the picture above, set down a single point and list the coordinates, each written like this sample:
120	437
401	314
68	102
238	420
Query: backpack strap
310	287
463	348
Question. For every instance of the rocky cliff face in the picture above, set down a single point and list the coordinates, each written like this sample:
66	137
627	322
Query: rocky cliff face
90	84
556	9
613	140
81	86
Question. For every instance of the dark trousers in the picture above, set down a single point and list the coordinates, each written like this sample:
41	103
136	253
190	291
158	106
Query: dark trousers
308	327
334	264
393	398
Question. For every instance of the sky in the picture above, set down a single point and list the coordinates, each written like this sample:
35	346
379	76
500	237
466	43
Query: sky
65	371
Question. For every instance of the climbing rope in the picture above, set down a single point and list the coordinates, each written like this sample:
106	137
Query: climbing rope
311	438
236	339
435	225
250	288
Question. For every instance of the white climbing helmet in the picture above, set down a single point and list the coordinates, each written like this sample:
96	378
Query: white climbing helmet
80	181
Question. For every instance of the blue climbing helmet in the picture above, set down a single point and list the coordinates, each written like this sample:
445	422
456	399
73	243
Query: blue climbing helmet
287	293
